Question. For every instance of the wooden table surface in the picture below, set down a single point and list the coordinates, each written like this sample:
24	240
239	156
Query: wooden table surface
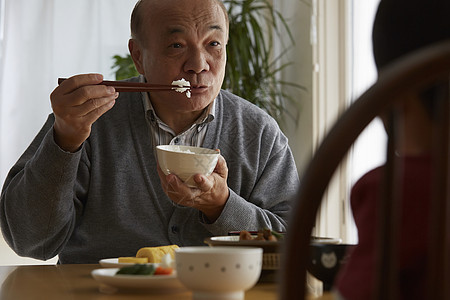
73	282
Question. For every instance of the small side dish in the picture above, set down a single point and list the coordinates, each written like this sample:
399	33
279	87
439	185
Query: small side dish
150	255
140	269
156	254
265	234
165	267
133	260
110	282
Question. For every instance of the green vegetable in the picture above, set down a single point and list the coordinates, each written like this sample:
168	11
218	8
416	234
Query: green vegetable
267	232
137	269
279	236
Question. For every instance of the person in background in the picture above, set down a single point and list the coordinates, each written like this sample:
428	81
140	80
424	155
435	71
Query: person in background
89	187
400	28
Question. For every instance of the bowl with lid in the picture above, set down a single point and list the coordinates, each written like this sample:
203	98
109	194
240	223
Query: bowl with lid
326	259
218	272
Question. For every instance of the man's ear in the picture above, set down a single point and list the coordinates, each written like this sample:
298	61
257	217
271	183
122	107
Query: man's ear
136	55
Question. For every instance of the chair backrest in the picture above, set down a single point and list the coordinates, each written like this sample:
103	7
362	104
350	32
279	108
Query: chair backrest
408	74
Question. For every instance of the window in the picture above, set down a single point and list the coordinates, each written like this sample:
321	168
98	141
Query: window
2	26
343	70
367	150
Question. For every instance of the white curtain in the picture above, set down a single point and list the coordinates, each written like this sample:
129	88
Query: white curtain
41	41
44	40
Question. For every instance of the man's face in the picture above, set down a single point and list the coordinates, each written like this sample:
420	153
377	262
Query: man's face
183	39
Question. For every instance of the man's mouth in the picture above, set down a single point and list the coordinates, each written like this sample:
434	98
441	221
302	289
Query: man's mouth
198	86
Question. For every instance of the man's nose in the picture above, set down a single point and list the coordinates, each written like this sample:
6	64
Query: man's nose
196	61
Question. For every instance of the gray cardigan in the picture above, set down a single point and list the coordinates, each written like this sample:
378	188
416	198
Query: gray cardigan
106	199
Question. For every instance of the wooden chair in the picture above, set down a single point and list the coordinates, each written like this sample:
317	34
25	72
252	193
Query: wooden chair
406	75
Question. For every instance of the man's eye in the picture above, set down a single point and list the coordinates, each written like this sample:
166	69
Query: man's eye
214	43
176	45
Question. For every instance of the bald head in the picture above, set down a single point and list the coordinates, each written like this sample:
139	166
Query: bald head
144	6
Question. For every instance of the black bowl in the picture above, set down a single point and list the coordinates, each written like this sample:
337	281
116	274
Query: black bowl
326	260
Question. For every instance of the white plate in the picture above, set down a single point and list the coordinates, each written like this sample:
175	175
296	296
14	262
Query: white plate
114	263
155	283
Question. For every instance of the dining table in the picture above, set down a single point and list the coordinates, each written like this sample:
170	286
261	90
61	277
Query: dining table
75	281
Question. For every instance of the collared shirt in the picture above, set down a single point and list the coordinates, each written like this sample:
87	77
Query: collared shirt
162	134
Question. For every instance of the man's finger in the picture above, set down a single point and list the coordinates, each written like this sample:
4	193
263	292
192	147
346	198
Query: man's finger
221	167
75	82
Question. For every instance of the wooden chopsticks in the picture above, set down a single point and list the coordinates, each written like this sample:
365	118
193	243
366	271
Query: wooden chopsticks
125	86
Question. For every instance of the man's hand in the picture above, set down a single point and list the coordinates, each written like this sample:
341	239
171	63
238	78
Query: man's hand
77	103
210	195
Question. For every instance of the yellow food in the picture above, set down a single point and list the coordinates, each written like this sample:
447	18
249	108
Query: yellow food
133	260
155	254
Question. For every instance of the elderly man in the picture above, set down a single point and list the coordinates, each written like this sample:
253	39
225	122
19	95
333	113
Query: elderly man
89	186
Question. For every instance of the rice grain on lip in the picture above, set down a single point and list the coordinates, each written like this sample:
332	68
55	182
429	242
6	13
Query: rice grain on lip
182	83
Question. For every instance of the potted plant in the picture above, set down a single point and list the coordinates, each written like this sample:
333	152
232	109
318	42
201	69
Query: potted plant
252	71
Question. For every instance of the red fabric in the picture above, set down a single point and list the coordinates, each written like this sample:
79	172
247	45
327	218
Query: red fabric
356	279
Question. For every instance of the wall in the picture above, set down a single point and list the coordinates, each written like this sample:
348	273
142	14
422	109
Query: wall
299	132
